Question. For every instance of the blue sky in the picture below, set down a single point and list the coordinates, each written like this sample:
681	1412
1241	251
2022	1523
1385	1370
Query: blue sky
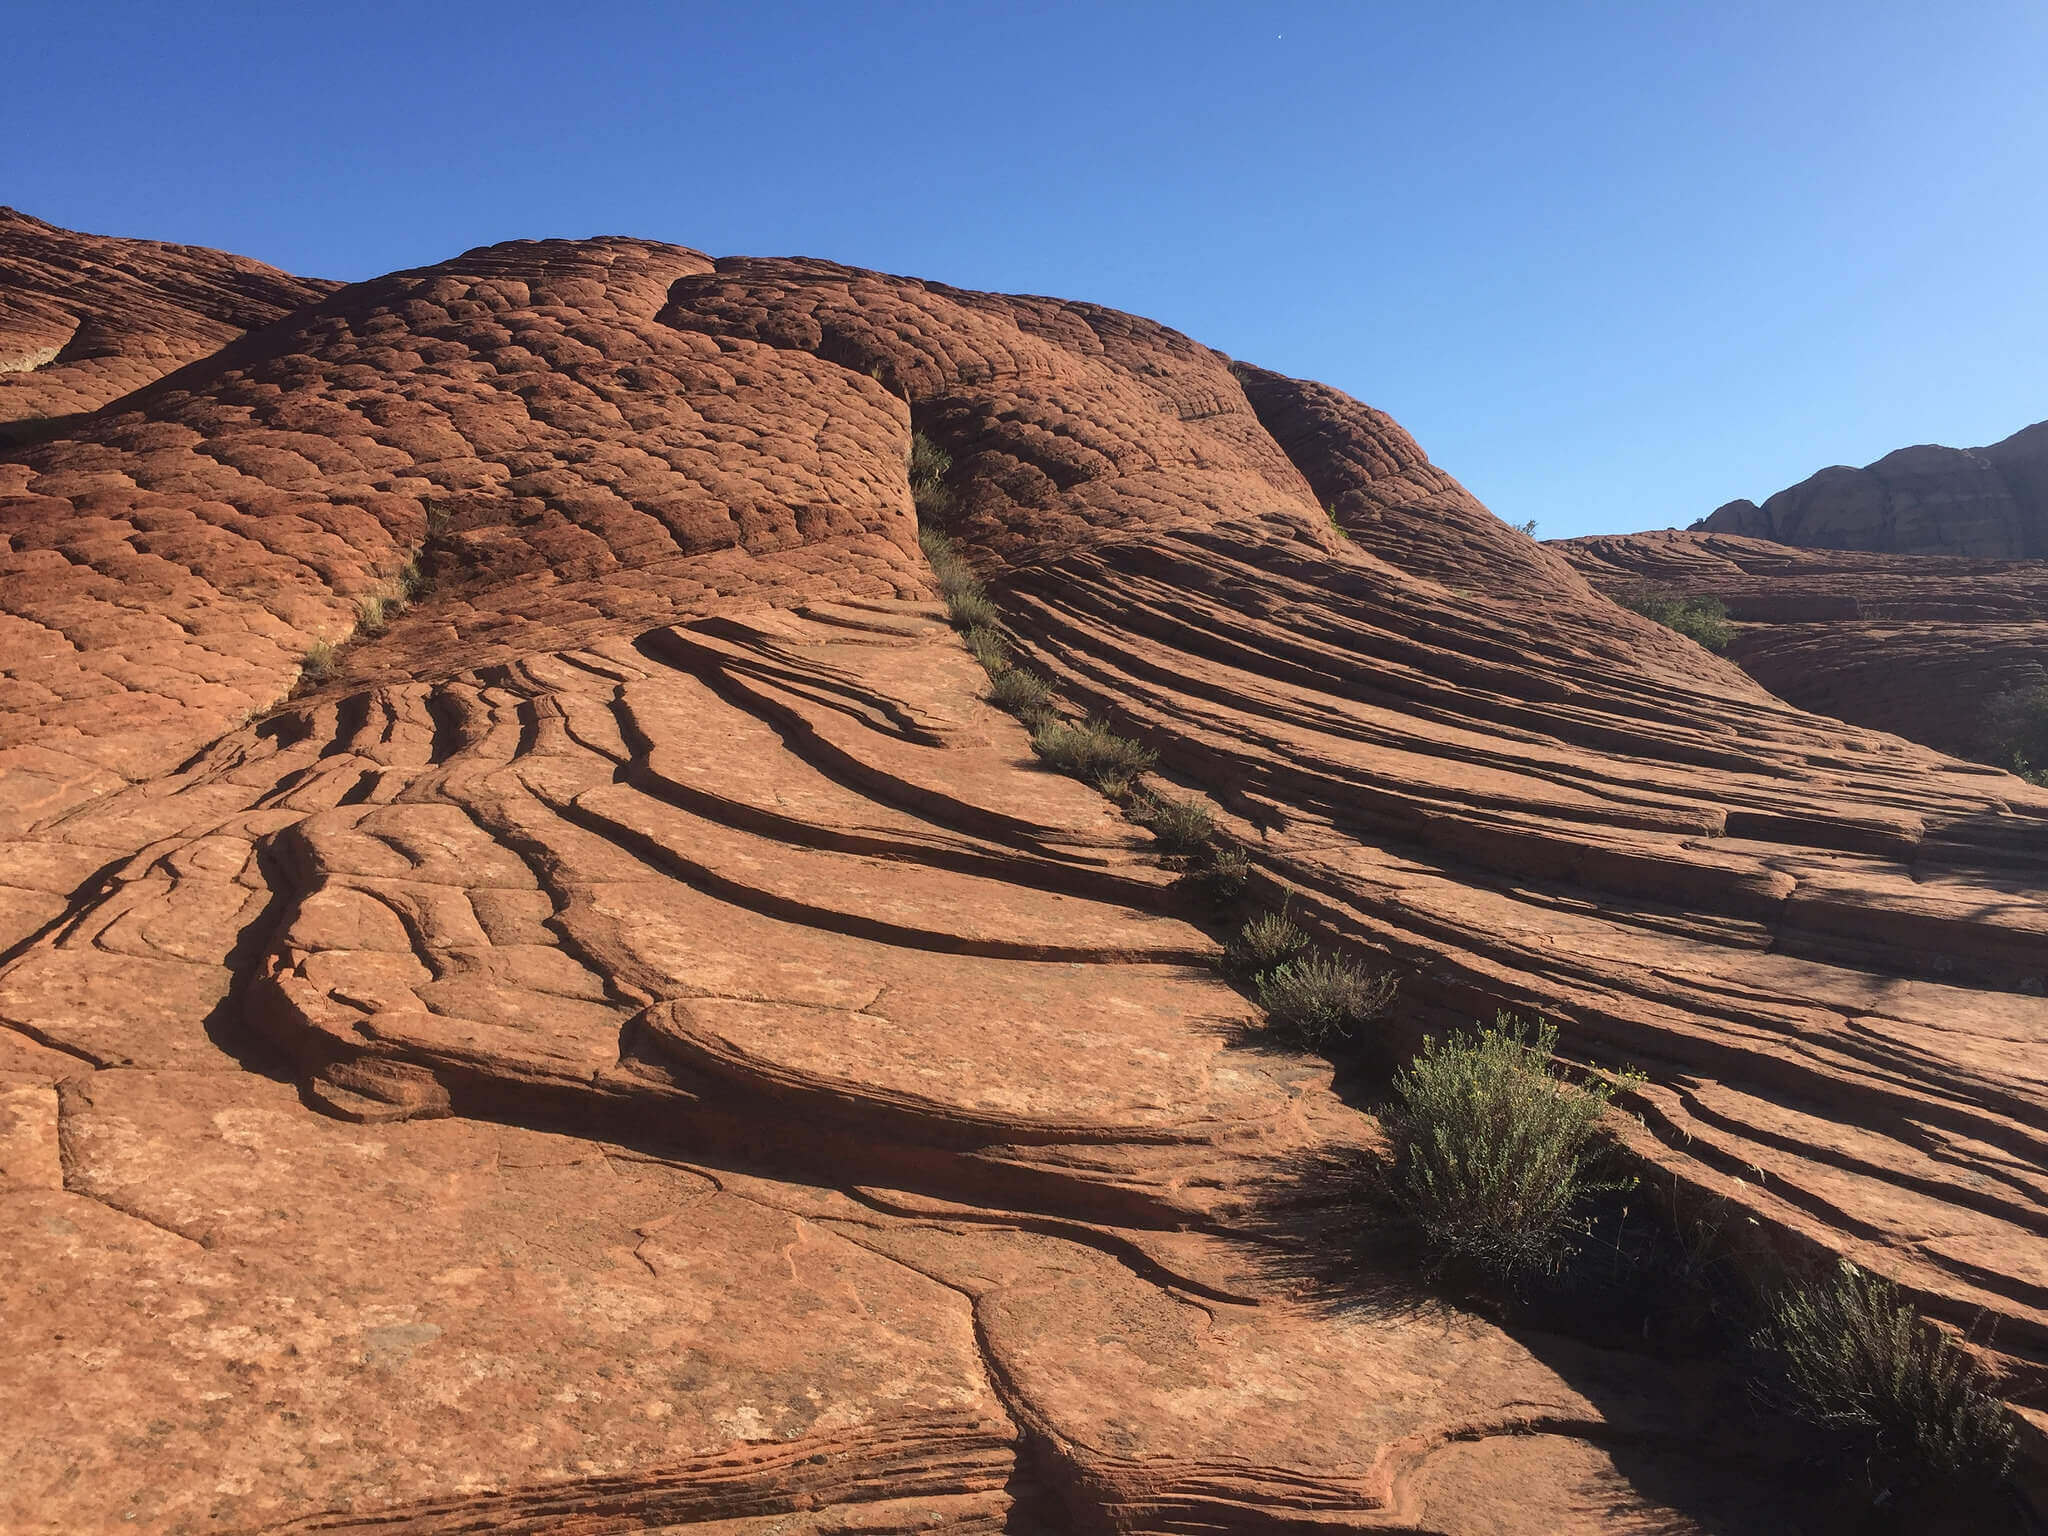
1613	264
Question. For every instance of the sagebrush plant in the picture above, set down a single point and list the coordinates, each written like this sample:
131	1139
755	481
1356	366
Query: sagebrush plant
1184	829
1023	694
317	665
1092	751
929	466
1852	1356
1493	1152
1315	997
987	646
967	602
2016	732
1265	943
1703	620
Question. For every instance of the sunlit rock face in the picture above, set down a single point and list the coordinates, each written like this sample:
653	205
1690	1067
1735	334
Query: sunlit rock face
634	1041
1991	503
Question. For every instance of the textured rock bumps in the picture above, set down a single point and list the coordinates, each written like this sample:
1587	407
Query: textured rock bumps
643	1045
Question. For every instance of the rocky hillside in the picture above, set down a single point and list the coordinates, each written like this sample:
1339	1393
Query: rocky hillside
1923	645
1987	503
539	995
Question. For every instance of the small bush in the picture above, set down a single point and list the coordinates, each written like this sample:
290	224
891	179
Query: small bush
1316	996
1183	828
929	466
1493	1152
988	647
1854	1358
972	610
1024	694
2016	732
317	665
1703	620
372	613
1223	880
1266	943
1093	752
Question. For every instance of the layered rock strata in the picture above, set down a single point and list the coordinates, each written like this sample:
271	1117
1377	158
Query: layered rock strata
642	1045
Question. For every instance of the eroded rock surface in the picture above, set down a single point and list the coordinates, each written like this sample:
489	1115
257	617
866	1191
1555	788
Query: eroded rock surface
1923	645
643	1046
1990	503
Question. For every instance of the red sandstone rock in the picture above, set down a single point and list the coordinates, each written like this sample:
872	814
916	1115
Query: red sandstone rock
645	1047
1918	644
1989	503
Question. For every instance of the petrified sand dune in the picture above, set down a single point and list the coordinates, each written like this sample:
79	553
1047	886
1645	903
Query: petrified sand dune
642	1046
1917	644
1987	503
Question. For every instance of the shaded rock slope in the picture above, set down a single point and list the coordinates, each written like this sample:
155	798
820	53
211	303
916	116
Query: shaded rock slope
1990	503
634	1042
1922	645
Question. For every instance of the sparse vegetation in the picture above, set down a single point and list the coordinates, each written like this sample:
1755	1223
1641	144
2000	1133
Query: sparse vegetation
929	466
1183	828
1703	620
317	665
1315	996
1528	527
1853	1357
1092	751
1263	944
1330	511
987	646
2016	732
967	602
1224	877
1494	1153
1023	694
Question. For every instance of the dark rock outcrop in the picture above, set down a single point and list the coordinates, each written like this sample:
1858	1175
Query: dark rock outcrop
1989	503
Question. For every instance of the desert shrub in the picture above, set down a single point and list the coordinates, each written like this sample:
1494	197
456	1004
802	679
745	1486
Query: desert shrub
1183	828
1024	694
1222	878
972	610
318	664
373	612
2016	731
1092	751
1267	942
929	466
1851	1356
988	647
1315	996
1703	620
1336	527
1493	1153
967	604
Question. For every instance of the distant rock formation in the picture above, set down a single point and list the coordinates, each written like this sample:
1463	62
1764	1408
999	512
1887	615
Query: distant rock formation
1990	503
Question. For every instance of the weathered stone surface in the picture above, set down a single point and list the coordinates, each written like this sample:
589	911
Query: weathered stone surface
643	1046
1917	644
1990	503
85	319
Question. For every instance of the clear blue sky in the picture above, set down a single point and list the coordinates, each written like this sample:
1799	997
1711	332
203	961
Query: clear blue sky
1613	264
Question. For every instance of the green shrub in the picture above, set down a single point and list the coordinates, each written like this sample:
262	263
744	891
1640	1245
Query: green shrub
2016	732
1024	694
1703	620
967	603
1316	996
929	466
1267	942
1222	880
1093	752
318	664
1494	1153
1183	828
972	610
1854	1358
988	647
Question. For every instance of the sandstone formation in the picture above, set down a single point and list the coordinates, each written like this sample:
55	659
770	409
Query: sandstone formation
1922	645
85	319
1990	503
637	1043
